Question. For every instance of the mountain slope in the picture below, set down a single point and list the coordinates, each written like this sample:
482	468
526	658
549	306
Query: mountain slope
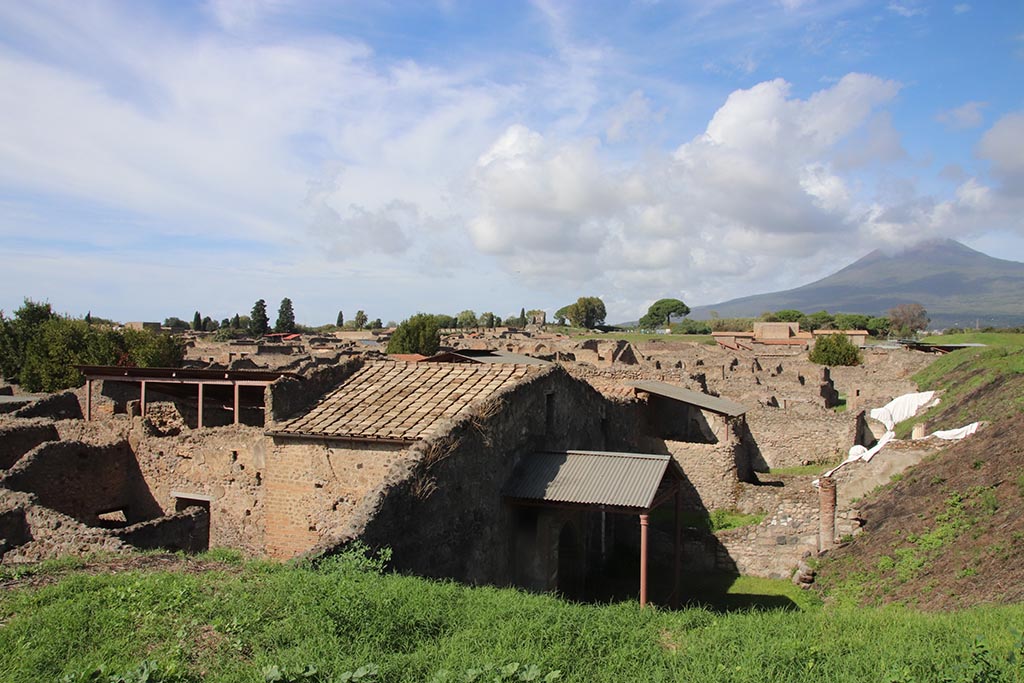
956	284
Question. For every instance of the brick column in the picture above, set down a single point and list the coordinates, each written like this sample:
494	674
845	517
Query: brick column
827	513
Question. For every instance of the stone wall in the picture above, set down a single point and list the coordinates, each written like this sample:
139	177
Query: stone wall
442	511
774	547
711	469
312	489
62	406
223	466
186	531
84	481
803	434
17	439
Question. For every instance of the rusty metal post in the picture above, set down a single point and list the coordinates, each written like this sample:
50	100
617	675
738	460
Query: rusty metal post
199	424
644	518
142	398
827	513
677	548
238	407
88	400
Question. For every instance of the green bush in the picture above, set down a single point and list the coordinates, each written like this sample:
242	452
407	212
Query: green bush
834	349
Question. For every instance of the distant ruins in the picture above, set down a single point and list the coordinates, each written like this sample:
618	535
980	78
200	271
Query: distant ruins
511	458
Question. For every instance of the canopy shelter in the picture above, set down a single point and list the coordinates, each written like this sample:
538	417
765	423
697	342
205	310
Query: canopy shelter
722	407
623	483
223	385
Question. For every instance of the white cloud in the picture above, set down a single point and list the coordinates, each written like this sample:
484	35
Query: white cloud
1003	146
961	8
906	9
967	115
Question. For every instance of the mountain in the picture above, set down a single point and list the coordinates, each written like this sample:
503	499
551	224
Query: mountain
957	285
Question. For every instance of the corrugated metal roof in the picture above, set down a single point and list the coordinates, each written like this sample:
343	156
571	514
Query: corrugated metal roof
589	478
715	404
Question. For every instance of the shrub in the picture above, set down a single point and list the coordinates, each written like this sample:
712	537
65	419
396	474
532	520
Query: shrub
834	349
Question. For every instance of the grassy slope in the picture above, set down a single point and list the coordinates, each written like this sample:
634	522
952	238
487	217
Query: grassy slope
229	626
949	532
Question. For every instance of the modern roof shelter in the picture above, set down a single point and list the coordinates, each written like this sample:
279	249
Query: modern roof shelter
484	356
221	384
625	483
394	401
713	404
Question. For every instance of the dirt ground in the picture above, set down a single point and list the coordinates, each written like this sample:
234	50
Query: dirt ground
948	534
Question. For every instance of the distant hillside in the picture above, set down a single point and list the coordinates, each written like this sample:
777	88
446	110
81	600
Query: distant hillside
956	284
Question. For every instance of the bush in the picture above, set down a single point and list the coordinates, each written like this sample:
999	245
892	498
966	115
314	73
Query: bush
419	334
688	326
835	349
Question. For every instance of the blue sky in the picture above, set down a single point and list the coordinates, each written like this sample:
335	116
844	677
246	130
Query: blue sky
159	158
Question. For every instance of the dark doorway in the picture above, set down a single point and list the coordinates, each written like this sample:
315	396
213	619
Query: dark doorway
570	564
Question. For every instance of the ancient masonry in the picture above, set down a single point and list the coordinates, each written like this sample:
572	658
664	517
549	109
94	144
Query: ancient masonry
346	444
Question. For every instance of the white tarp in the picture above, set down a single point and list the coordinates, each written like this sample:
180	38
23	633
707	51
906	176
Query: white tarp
901	408
858	452
954	434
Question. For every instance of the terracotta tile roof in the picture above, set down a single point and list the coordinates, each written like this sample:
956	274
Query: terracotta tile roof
406	401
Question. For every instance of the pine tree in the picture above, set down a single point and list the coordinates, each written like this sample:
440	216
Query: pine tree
236	323
341	319
259	323
197	322
285	317
522	317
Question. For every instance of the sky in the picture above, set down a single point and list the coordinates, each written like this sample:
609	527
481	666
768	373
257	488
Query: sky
158	158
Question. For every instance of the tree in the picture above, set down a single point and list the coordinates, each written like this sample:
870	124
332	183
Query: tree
259	323
487	320
341	319
197	322
236	322
226	322
851	321
661	311
360	320
375	324
176	324
209	324
822	320
285	317
16	333
787	315
467	319
562	314
587	312
878	326
88	318
418	334
907	319
522	317
834	349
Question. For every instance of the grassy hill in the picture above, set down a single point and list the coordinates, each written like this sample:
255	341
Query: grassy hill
957	285
210	620
949	532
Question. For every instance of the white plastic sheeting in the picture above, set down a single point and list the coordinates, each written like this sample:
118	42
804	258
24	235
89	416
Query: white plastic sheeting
858	452
955	434
901	408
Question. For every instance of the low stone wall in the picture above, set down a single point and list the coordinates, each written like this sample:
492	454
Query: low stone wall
803	434
773	548
186	531
18	439
62	406
84	481
711	469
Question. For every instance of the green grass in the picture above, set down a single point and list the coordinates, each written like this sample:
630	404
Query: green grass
989	338
801	470
976	384
271	622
